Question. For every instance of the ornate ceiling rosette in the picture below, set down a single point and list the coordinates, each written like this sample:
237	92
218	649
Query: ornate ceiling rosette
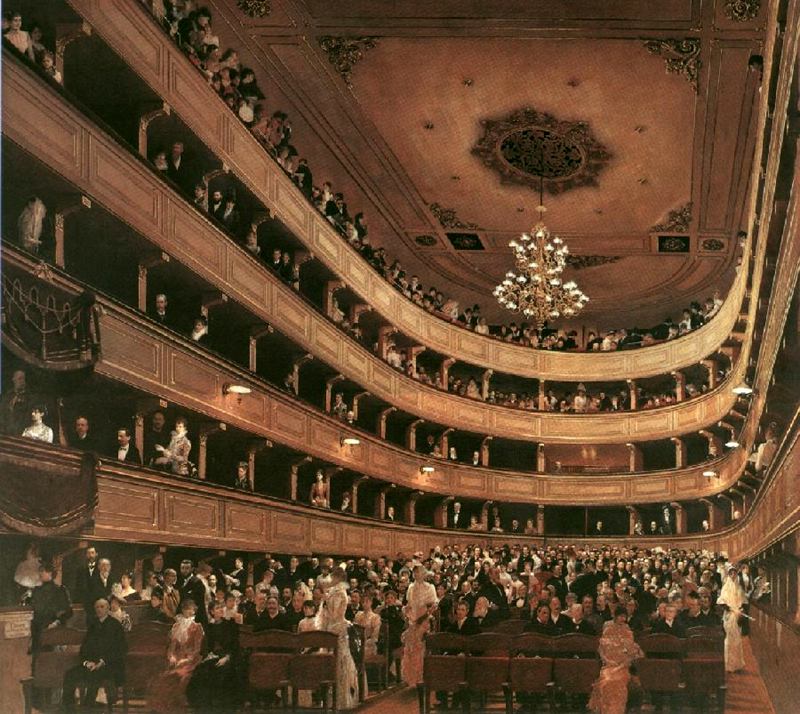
529	146
255	8
680	57
344	52
742	10
448	219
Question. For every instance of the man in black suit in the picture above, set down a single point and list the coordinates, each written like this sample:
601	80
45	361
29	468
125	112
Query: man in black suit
670	624
99	587
216	206
192	588
82	438
269	618
457	519
708	614
495	593
463	625
50	603
102	659
126	450
541	623
87	574
558	619
178	168
576	623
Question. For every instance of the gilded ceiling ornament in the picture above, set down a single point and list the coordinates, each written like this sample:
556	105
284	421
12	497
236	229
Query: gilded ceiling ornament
255	8
712	244
448	219
425	240
677	221
742	10
579	262
681	57
528	147
344	52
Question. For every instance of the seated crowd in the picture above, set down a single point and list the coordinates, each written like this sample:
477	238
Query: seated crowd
192	31
556	590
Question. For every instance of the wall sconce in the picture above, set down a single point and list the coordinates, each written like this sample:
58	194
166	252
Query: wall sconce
239	389
732	442
742	389
349	441
708	473
426	469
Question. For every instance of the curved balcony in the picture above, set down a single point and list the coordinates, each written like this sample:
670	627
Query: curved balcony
91	160
161	65
138	352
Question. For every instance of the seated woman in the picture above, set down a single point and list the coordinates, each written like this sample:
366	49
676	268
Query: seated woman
214	684
116	609
125	590
176	455
38	430
167	693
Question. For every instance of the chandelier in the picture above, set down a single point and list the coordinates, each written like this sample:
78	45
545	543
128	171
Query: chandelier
536	289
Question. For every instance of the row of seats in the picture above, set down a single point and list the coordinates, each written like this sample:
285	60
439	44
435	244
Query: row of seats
538	665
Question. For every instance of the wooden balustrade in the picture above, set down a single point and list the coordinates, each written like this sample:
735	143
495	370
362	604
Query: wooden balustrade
41	122
156	59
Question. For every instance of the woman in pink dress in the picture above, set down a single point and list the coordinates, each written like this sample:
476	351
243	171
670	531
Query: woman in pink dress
618	651
167	693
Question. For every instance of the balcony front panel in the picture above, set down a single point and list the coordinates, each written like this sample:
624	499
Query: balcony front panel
128	188
169	74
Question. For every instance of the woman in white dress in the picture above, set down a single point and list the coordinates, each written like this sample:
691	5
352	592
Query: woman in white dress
733	598
421	601
330	618
38	430
371	622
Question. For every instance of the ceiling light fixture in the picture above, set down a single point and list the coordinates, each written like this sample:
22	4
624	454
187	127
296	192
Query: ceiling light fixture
536	289
236	389
349	441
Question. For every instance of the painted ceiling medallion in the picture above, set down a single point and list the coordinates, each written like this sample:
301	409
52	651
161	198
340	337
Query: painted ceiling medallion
527	145
425	240
255	8
677	221
742	10
712	244
579	262
448	219
345	52
681	57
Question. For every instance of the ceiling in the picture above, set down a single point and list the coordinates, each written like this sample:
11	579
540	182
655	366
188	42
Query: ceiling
389	100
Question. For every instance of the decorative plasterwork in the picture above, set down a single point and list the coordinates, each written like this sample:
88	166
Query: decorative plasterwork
712	244
677	221
527	146
742	10
448	219
255	8
681	57
345	52
426	240
579	262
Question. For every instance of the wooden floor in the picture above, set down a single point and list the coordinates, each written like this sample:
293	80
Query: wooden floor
746	695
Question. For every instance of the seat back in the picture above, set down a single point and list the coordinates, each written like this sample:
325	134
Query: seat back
707	632
444	672
531	644
703	675
530	674
510	627
662	644
659	675
142	667
149	637
439	642
49	668
268	670
487	674
326	640
703	647
312	670
275	640
575	676
62	636
489	644
575	644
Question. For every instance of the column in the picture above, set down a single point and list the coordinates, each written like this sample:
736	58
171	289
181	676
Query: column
485	514
445	440
410	508
412	353
485	451
357	310
634	398
356	399
714	443
411	434
382	417
385	334
711	365
329	391
254	447
680	452
542	402
357	483
256	333
209	299
680	518
331	286
294	472
380	501
540	520
487	375
296	365
204	432
66	33
145	264
440	514
634	457
444	371
541	460
633	518
62	212
680	386
149	111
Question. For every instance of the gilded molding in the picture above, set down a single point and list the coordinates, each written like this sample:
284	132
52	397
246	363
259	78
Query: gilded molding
448	219
579	262
255	8
680	56
677	221
345	52
528	146
742	10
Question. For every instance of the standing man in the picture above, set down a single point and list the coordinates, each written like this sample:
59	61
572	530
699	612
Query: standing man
192	588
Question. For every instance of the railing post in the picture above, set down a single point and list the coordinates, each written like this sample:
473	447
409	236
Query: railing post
294	472
356	399
410	515
329	391
357	482
541	460
296	365
485	379
256	333
634	397
440	514
444	371
540	519
411	434
634	457
711	365
542	401
445	441
680	452
680	518
633	519
485	450
680	385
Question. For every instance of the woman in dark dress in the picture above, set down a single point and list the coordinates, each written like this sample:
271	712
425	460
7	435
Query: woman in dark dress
215	686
